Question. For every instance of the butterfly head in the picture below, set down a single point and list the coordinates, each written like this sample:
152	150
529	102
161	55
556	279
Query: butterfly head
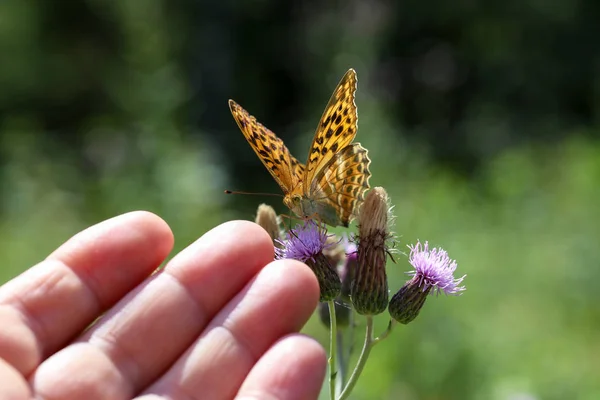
294	203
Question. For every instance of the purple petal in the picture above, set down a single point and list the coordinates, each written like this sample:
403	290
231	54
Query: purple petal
303	242
433	268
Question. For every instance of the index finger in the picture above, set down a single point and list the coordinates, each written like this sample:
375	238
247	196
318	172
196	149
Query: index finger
51	303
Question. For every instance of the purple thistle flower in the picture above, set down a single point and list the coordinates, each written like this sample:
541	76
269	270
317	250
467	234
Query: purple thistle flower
303	243
347	270
349	245
434	273
350	249
434	270
306	243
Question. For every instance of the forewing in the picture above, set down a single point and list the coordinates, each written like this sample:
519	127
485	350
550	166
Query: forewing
343	182
287	170
337	127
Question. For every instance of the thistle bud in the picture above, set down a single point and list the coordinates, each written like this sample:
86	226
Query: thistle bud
329	281
434	273
306	243
406	304
342	254
369	291
269	221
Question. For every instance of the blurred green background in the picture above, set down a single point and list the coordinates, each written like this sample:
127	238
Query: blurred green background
481	119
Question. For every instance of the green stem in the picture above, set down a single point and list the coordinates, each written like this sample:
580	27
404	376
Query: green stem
352	324
386	333
364	354
362	359
345	351
342	362
332	349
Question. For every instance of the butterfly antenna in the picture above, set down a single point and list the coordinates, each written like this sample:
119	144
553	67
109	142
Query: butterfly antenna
251	193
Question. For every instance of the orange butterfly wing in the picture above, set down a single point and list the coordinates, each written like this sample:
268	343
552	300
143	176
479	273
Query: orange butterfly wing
287	171
337	127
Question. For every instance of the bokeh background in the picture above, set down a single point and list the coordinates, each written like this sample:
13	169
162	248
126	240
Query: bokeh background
481	119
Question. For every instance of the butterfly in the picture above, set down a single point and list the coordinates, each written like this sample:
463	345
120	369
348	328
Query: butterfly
332	184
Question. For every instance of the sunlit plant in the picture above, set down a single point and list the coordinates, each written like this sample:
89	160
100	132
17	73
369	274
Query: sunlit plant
353	282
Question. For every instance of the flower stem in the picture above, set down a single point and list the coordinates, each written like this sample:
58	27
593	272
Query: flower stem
342	362
332	349
345	352
362	359
364	355
386	333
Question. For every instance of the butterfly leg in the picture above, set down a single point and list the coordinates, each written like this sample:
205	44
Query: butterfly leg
314	215
289	218
293	217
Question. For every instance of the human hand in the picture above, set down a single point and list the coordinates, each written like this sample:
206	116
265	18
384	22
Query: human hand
218	322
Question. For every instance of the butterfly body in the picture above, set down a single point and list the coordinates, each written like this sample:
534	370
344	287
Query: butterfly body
332	184
306	207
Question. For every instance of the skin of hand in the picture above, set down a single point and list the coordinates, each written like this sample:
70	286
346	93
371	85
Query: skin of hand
95	320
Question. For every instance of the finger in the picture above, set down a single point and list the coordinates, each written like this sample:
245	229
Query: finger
278	302
13	386
293	369
54	301
151	327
